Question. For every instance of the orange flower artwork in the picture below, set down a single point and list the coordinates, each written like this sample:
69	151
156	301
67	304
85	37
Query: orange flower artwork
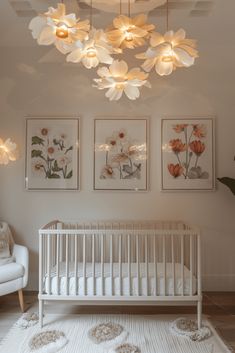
177	146
197	147
175	170
188	151
199	130
179	127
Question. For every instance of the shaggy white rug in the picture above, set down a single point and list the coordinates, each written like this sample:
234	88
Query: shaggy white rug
134	334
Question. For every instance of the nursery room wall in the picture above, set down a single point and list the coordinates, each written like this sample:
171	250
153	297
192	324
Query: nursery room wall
35	83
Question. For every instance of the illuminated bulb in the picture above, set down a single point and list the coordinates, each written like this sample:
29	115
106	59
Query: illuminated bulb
120	86
62	31
91	53
167	58
129	37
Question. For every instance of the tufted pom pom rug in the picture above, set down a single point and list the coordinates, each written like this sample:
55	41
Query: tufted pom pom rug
111	334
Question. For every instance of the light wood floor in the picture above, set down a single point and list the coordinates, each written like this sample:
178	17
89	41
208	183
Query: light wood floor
219	307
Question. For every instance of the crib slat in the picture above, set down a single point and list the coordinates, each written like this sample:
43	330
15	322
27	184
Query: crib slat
111	263
57	262
102	264
164	264
67	263
138	264
173	263
120	262
191	264
129	263
41	260
199	289
84	264
155	265
146	264
44	258
182	263
93	262
61	248
49	262
76	264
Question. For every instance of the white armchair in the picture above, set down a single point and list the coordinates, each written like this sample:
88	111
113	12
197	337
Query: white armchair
14	275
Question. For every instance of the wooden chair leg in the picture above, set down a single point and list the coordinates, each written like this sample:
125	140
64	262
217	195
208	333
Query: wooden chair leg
21	300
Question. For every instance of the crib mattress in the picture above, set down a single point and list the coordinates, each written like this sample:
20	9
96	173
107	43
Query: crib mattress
147	288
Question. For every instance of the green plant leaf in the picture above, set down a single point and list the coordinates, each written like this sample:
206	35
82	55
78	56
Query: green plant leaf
36	153
55	167
229	182
69	175
37	141
69	149
53	176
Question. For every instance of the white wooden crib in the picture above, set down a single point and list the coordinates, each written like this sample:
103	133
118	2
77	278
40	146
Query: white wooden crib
121	263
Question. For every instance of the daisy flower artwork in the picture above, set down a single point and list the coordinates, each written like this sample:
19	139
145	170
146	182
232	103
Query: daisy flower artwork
120	154
187	154
52	154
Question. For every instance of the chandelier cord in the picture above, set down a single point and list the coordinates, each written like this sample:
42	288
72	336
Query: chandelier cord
91	14
167	15
120	7
129	8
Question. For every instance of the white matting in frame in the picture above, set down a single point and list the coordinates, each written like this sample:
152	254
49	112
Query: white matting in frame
52	153
187	154
121	154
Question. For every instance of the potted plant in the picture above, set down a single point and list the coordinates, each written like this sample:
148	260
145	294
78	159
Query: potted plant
230	182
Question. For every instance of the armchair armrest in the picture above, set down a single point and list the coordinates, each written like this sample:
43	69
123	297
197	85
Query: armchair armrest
21	255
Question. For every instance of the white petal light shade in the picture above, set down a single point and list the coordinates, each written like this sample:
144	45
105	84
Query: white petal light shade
128	32
55	27
169	52
117	79
92	51
8	151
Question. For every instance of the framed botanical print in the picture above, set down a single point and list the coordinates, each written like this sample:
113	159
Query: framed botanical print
52	153
187	154
121	154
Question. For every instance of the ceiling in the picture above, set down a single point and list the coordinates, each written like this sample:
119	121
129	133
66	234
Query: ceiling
16	14
29	8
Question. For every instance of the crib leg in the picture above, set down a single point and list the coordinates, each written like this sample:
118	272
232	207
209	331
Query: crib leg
199	314
41	307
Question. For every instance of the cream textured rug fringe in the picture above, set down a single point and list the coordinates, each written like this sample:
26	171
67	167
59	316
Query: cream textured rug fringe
151	334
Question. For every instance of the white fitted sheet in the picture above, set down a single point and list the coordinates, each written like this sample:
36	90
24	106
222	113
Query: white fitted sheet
108	291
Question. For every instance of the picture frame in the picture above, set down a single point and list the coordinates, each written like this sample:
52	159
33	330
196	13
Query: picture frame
188	154
52	153
121	154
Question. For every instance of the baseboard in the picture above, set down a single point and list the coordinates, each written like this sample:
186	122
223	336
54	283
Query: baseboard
213	283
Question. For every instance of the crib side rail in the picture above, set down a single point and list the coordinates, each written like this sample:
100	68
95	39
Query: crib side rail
150	260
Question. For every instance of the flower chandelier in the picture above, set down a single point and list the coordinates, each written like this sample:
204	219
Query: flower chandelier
8	151
82	43
118	79
168	52
92	51
129	32
55	27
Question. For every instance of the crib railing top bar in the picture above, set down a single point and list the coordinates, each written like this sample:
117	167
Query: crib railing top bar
122	224
157	232
50	224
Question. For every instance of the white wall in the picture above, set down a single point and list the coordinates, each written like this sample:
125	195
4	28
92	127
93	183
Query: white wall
51	89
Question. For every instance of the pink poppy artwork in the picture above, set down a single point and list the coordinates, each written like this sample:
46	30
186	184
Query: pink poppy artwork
52	153
120	154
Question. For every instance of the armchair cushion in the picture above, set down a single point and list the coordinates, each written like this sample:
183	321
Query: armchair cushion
6	244
21	255
11	271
